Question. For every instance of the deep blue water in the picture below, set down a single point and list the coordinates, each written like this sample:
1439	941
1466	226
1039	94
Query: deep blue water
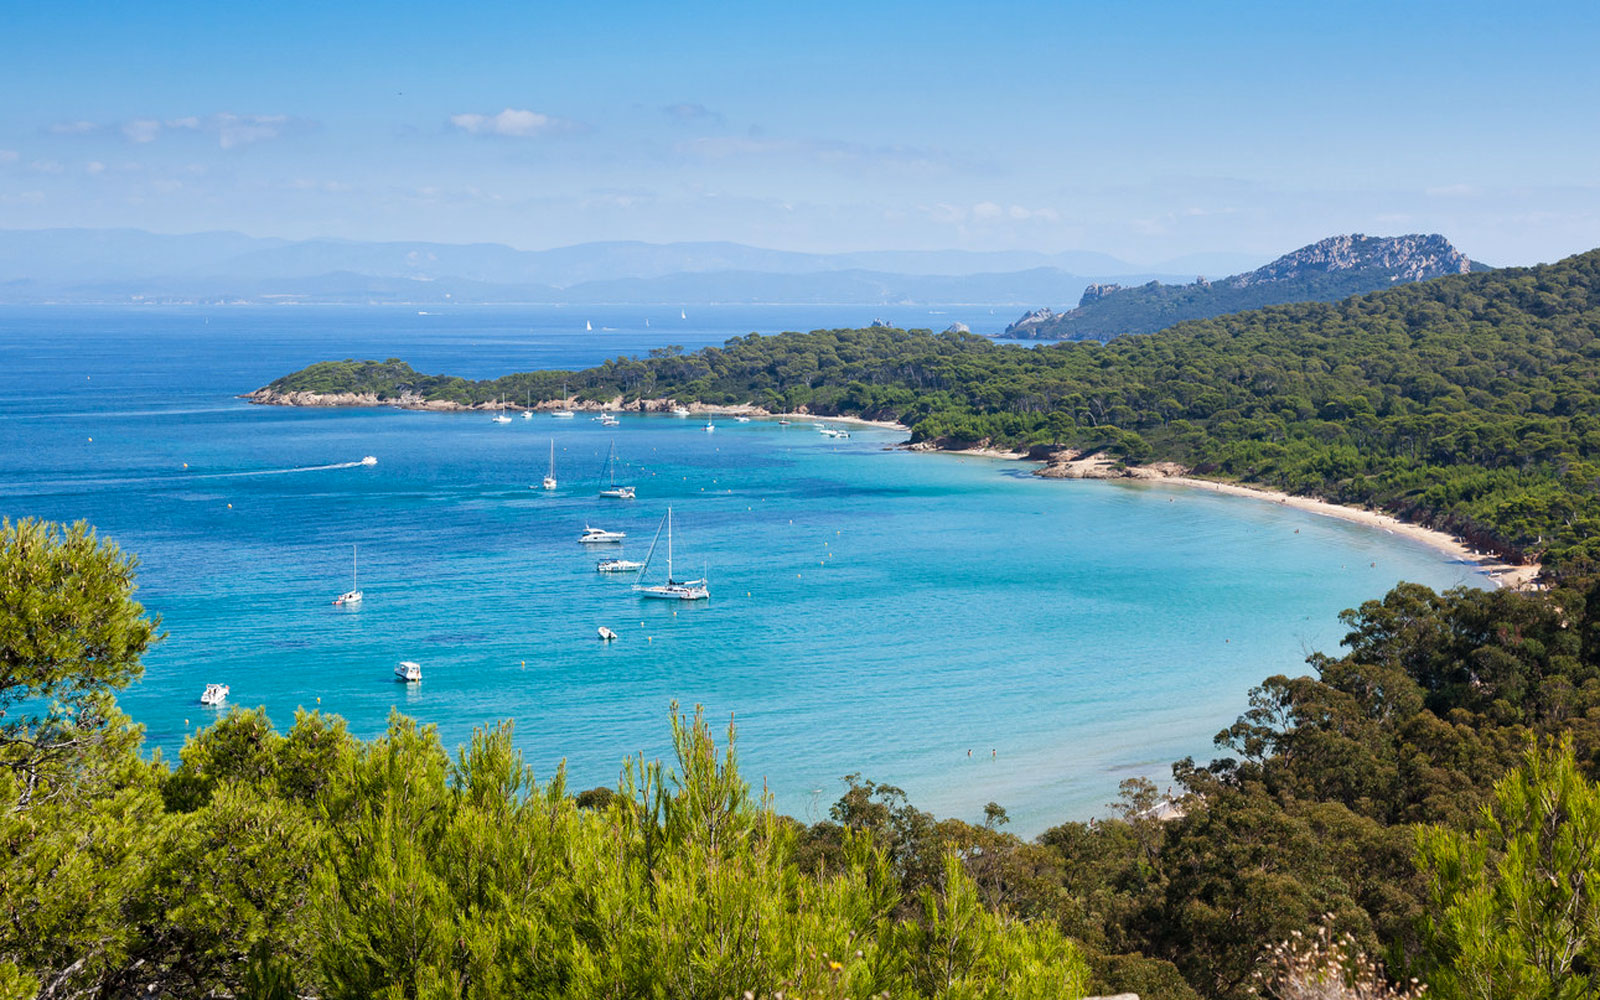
872	610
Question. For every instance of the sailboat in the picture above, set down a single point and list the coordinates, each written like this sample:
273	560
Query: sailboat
674	590
588	326
564	413
615	491
353	595
550	477
527	406
682	314
501	418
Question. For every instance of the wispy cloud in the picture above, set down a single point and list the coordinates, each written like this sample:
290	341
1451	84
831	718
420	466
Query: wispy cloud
688	111
828	151
988	213
515	123
9	156
230	130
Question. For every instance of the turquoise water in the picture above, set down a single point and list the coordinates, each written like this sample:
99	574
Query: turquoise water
872	610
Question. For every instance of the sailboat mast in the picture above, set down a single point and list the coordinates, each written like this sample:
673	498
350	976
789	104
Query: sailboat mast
355	565
669	545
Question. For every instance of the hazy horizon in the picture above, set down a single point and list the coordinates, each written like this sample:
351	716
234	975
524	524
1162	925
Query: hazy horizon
1147	134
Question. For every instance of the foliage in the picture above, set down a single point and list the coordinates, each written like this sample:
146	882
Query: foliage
1467	402
1516	903
1328	965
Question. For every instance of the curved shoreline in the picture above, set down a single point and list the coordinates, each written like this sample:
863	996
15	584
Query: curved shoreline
1068	464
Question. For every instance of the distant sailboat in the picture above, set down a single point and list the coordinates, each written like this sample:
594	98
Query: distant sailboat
672	590
588	326
502	418
353	595
682	314
615	491
527	406
564	413
550	477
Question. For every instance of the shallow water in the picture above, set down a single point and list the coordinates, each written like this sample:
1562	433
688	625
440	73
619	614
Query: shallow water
872	610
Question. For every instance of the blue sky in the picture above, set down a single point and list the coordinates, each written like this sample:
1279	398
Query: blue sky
1148	131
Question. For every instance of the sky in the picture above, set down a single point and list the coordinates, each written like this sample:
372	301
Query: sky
1145	130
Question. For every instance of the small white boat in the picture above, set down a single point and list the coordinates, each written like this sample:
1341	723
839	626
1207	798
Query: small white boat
215	694
680	411
353	595
682	314
618	566
672	590
592	536
742	420
550	477
710	427
501	418
369	460
614	491
607	420
527	414
408	672
606	635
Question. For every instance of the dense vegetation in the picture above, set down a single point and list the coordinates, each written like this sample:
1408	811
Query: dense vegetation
1470	402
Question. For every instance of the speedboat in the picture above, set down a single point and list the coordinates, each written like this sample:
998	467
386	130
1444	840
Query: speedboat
618	566
680	411
408	672
563	414
369	460
742	420
591	536
607	420
215	694
606	635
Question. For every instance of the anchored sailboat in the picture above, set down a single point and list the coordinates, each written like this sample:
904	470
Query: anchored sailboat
550	477
501	418
615	491
563	413
353	595
674	590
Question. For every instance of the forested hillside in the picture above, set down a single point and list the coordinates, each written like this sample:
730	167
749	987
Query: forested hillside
1470	402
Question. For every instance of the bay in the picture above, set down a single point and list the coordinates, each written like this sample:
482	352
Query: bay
948	624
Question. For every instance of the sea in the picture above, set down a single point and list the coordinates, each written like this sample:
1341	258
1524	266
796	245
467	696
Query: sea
950	625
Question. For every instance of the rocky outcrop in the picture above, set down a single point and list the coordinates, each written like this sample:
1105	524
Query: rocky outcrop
1031	323
1074	464
958	328
1404	258
1325	271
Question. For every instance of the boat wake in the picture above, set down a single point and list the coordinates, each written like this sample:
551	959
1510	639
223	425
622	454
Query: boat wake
369	460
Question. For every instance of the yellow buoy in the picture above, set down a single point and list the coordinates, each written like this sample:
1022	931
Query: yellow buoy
230	506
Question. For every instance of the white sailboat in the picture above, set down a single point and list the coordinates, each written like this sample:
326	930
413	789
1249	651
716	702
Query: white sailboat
501	417
563	413
527	406
682	314
588	326
614	491
710	426
672	590
353	595
550	477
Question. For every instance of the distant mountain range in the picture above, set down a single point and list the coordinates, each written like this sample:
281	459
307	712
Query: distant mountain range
130	265
1332	269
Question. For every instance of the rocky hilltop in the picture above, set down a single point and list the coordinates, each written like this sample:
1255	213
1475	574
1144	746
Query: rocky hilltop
1325	271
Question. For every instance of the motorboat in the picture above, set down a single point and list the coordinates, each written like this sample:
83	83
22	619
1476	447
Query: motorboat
606	635
215	694
742	420
408	672
369	460
593	536
673	590
680	411
618	566
607	420
353	595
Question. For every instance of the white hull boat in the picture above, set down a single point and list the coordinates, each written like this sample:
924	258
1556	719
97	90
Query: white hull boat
215	694
671	590
600	536
614	491
606	635
618	566
408	672
352	596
